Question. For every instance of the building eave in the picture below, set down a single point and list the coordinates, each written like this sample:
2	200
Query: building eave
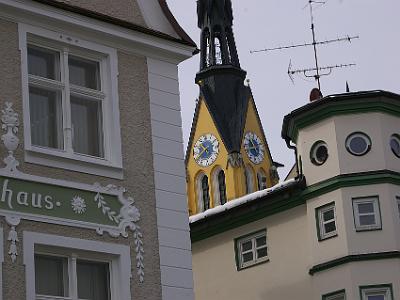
184	38
339	104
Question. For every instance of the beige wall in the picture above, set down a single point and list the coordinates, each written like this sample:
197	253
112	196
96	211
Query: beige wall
325	131
284	277
334	131
127	10
137	163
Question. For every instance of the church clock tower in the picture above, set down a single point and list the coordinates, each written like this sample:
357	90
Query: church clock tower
227	155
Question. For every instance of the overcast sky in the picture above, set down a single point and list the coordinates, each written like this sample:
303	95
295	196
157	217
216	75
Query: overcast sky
268	23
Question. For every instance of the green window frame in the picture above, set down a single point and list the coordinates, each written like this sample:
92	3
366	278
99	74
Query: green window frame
322	223
251	249
336	295
376	290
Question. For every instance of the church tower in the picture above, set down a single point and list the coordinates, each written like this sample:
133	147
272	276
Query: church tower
227	155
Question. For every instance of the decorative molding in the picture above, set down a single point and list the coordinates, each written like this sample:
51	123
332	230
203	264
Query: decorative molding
10	121
353	258
235	160
13	221
117	223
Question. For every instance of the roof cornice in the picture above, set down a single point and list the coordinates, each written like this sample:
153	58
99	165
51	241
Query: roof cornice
339	104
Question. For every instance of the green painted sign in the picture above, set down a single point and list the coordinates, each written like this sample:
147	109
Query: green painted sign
60	202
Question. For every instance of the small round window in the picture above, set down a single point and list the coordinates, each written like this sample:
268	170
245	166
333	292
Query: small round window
319	153
395	144
358	143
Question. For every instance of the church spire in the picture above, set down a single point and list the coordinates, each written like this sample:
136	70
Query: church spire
217	41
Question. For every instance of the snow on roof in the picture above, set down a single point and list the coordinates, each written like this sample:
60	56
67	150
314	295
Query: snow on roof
239	201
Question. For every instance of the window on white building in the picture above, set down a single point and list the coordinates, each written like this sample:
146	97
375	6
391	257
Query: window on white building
71	111
338	295
251	249
377	292
69	277
65	268
326	221
398	205
367	213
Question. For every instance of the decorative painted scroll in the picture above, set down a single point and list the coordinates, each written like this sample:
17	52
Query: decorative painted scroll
106	209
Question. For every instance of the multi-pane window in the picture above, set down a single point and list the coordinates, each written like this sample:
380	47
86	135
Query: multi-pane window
377	292
367	213
72	278
252	249
326	217
66	100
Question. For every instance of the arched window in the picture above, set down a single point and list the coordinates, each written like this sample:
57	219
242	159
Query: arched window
218	51
222	187
203	194
248	173
219	187
261	180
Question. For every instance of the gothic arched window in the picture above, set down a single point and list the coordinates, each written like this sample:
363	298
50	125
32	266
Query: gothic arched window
205	193
248	173
222	187
261	180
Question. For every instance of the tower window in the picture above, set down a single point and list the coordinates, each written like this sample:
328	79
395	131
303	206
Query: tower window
395	144
248	173
319	153
218	52
262	180
367	214
222	187
358	143
205	193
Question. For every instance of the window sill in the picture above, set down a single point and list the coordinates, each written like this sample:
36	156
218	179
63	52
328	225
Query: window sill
263	261
361	229
324	238
78	163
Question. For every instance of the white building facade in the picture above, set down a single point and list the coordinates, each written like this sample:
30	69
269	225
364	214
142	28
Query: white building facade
93	199
330	233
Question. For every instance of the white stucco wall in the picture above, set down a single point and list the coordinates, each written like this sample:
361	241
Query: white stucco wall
284	277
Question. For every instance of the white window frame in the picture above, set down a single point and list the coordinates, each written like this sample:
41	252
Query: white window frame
377	290
116	254
111	164
376	213
252	237
322	235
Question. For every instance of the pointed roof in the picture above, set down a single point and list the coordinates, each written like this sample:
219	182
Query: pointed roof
232	134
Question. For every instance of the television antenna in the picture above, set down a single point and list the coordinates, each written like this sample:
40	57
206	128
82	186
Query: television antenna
315	72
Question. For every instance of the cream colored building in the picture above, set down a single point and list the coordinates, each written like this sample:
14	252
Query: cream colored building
330	233
92	177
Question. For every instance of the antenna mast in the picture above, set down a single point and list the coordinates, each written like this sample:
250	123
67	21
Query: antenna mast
317	71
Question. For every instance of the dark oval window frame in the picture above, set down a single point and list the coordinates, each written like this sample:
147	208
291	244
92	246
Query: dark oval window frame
313	152
360	134
396	137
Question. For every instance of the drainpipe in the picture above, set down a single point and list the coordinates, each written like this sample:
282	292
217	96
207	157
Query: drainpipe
287	140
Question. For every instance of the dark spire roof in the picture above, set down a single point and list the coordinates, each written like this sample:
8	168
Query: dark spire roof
221	79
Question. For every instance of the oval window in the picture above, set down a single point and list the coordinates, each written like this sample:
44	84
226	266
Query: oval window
319	153
395	144
358	143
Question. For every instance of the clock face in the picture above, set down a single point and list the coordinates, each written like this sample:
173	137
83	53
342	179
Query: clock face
254	147
206	149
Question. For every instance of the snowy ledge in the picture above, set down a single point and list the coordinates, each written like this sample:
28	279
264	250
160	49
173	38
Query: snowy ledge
239	201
